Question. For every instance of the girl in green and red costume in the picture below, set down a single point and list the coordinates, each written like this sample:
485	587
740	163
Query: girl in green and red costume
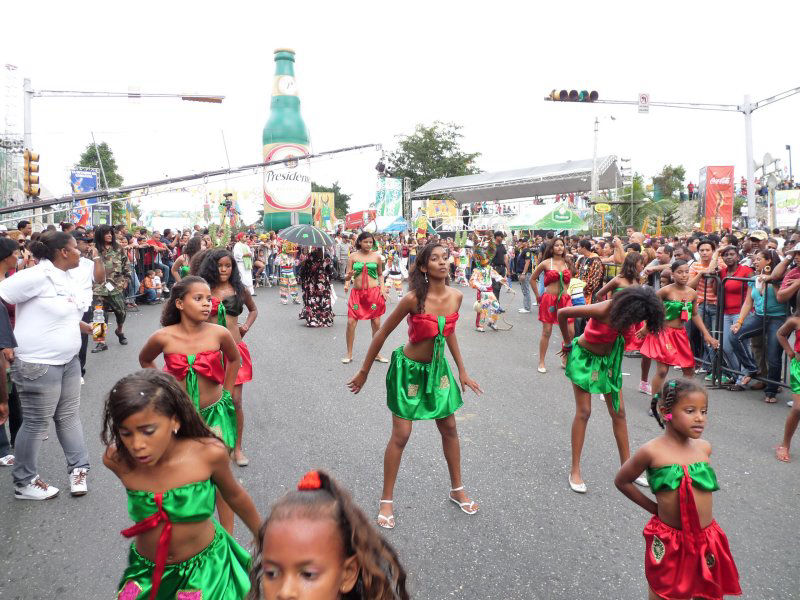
792	325
670	347
367	301
419	384
193	352
557	274
318	544
172	466
594	363
686	552
229	297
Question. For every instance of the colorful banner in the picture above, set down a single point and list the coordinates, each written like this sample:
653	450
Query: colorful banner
716	197
787	208
389	197
82	180
357	220
322	210
101	215
441	209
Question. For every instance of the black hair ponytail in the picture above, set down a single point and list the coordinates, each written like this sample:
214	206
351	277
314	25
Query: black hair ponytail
319	496
673	390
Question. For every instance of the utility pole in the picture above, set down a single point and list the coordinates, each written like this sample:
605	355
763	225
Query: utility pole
791	178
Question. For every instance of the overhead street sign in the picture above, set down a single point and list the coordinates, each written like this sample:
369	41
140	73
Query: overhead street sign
644	103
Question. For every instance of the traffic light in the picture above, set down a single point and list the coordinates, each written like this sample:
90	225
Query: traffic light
573	96
29	179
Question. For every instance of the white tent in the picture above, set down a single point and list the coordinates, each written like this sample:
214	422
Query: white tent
573	176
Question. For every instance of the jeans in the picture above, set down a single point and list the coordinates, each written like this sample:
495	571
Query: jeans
541	283
164	269
48	392
524	282
731	358
133	289
150	295
14	422
753	326
708	313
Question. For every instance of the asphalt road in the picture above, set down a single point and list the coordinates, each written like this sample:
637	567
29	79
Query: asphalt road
533	537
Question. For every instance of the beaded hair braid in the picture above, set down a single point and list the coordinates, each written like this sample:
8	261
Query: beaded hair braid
673	390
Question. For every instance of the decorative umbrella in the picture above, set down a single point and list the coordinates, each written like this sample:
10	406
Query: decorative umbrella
306	235
560	218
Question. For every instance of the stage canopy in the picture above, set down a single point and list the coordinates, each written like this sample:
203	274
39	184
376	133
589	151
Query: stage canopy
573	176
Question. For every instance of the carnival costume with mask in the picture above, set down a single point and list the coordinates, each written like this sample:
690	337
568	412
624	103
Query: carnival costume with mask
287	280
483	275
394	273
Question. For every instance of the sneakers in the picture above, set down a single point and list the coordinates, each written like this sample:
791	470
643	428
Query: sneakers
35	490
644	388
77	482
523	310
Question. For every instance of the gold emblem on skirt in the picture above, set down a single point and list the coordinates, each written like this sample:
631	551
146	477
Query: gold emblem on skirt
413	388
710	560
658	549
444	382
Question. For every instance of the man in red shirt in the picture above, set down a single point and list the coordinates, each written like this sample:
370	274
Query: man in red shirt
160	250
732	300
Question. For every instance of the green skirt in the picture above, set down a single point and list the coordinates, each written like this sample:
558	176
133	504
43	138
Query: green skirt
219	571
597	374
221	418
417	391
794	375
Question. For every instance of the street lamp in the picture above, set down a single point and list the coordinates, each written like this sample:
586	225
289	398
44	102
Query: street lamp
789	148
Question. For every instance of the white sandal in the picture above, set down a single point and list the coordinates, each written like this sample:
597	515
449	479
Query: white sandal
384	521
579	488
7	461
462	505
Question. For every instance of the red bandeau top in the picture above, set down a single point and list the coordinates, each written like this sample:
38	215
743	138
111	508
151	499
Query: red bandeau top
206	364
551	276
597	332
423	327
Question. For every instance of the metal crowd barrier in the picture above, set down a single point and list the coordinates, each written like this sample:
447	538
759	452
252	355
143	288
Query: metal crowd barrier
717	363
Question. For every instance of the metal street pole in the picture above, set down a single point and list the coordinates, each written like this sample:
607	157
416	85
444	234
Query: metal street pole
27	138
789	148
594	161
747	109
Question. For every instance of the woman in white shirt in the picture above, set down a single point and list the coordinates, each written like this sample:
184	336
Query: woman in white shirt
46	369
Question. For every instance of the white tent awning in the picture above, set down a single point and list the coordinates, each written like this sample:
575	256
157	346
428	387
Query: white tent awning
564	178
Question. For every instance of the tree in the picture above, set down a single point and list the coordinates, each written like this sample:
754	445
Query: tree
669	181
112	177
430	153
340	199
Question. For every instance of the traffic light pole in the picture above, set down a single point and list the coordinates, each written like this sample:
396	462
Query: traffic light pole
26	138
29	93
746	108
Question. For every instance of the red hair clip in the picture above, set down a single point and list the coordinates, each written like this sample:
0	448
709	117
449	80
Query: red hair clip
310	481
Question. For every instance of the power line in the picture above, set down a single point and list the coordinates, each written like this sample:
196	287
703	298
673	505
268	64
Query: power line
169	180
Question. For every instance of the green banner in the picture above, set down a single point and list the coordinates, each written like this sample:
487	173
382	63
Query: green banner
389	197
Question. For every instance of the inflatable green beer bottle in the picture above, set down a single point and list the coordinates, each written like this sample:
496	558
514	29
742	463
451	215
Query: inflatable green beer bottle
287	186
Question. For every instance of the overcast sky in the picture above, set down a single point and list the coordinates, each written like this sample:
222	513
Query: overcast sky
369	71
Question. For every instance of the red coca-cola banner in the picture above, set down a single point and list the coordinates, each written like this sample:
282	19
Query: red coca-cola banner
357	220
718	196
